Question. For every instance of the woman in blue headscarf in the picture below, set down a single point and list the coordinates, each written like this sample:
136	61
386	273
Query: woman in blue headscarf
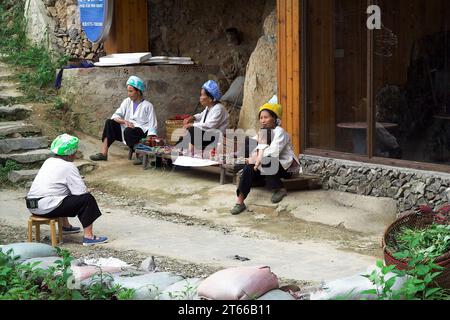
133	121
213	120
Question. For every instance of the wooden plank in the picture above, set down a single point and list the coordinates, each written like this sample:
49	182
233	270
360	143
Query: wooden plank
289	68
296	93
282	54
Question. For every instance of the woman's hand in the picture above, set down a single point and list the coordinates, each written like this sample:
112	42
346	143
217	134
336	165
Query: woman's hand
129	124
188	121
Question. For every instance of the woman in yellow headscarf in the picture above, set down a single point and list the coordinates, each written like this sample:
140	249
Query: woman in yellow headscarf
272	160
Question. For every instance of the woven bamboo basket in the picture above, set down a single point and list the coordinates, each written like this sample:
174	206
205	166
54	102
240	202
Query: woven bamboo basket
414	220
171	126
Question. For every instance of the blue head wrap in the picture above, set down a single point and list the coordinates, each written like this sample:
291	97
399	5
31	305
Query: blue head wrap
213	88
137	83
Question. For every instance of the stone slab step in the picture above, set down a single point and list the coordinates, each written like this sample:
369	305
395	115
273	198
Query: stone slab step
17	112
22	175
29	175
11	127
23	144
27	157
10	90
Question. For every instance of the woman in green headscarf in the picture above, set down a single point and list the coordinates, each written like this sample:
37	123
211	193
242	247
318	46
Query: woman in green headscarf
58	191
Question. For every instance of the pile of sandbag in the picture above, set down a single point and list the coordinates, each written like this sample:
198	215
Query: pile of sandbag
245	283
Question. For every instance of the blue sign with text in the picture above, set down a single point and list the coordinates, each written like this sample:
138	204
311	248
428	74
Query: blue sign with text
93	18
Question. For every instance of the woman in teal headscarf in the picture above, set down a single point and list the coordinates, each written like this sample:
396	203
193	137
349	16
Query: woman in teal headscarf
133	121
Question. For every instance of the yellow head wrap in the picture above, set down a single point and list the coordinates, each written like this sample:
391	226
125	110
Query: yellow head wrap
275	108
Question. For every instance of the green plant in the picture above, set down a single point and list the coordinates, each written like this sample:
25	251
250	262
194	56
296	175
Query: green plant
420	247
6	169
58	104
427	243
18	281
38	64
100	288
28	282
378	277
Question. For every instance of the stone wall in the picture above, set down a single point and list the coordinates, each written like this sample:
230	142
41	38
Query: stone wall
94	94
198	29
409	187
63	34
261	79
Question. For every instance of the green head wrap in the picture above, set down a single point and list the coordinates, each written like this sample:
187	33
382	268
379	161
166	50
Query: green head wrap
65	145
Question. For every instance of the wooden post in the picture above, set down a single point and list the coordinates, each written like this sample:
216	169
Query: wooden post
289	71
30	230
53	233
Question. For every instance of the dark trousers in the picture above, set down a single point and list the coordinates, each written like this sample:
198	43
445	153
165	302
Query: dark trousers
251	178
113	132
195	133
84	206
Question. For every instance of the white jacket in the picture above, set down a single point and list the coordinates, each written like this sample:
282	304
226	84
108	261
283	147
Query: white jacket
144	118
281	148
217	118
56	180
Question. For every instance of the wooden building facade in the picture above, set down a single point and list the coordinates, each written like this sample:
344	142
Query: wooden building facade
371	95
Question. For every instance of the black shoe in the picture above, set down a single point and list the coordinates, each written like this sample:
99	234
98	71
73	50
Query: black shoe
278	195
238	209
99	157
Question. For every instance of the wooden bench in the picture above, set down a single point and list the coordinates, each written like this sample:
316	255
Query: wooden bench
150	156
37	221
300	182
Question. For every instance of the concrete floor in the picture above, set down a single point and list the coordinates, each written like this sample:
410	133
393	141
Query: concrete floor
310	236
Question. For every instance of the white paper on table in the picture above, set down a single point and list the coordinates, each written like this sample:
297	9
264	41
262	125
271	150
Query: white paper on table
194	162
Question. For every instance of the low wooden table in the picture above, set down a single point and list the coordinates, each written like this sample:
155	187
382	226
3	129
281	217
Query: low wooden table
148	156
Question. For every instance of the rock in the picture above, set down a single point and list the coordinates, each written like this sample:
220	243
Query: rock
419	188
261	80
8	145
95	47
148	264
447	194
22	175
11	127
28	157
434	187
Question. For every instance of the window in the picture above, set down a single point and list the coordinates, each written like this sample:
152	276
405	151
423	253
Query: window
391	84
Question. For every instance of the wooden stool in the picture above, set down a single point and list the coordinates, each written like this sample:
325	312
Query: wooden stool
37	221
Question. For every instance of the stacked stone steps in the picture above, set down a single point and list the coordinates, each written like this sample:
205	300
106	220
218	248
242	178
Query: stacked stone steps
21	144
14	128
10	90
5	71
14	113
27	157
29	175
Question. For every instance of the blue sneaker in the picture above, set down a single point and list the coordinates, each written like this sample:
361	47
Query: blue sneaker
92	242
71	230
